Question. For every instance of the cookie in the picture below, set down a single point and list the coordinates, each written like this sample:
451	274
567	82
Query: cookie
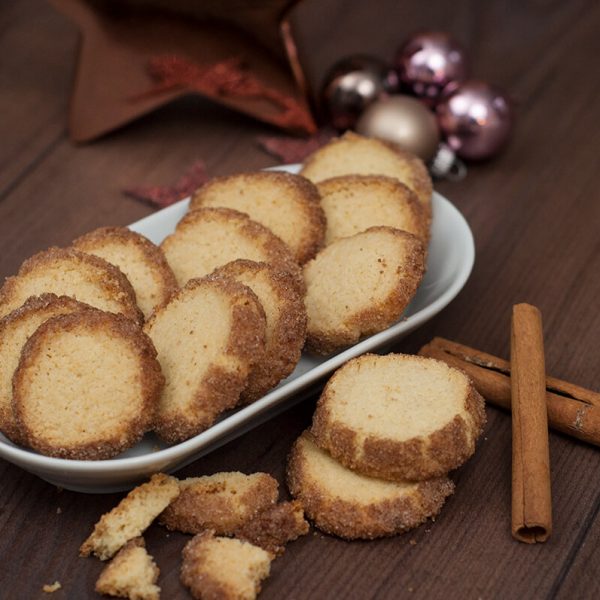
286	204
222	502
422	417
286	322
275	526
209	337
15	329
132	573
138	258
353	154
87	386
131	517
360	285
352	506
224	568
353	203
208	238
68	272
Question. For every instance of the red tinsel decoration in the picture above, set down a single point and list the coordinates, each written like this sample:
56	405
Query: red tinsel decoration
230	77
293	150
165	195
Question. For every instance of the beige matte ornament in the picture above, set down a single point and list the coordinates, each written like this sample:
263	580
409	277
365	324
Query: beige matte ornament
403	121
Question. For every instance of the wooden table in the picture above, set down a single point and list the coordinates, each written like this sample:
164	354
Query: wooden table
535	214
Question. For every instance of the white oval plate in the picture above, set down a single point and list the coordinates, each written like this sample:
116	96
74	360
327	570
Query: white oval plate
450	260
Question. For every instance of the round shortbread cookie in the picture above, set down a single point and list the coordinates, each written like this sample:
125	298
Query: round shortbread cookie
353	506
208	336
360	285
208	238
286	322
15	329
289	205
139	259
222	502
399	417
68	272
354	154
87	386
353	203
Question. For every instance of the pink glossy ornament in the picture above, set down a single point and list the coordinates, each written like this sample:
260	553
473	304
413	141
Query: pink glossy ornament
476	119
428	62
352	84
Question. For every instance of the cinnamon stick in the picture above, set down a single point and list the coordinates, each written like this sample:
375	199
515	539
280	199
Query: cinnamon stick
572	409
531	495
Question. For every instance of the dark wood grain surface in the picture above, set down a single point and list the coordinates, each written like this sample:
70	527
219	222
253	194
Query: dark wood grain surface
535	215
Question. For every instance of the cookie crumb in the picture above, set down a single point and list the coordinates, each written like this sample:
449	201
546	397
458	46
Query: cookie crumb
411	589
58	510
51	587
412	542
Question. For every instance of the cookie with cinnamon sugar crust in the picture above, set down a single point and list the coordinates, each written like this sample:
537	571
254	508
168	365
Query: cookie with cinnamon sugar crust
353	203
68	272
132	573
286	322
352	506
222	502
208	238
209	336
353	154
131	517
87	386
15	329
138	258
359	285
275	526
422	418
289	205
223	568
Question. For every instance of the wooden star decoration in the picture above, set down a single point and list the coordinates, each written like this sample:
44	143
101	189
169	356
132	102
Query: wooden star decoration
136	56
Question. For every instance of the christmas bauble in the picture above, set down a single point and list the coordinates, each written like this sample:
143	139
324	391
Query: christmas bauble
428	62
352	84
476	119
404	121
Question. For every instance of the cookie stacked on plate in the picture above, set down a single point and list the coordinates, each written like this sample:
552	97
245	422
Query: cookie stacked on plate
385	434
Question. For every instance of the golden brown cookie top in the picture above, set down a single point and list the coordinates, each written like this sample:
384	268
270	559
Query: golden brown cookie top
354	203
87	386
68	272
209	336
15	330
284	308
353	154
422	419
138	258
360	285
208	238
289	205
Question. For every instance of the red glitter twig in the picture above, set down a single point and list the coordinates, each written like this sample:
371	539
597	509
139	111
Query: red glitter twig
293	150
165	195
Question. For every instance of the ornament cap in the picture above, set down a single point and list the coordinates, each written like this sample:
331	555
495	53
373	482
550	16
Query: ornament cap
446	165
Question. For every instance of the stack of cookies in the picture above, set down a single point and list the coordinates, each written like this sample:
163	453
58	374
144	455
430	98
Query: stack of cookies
385	434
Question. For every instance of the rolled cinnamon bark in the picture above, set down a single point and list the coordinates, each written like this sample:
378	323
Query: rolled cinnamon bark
572	409
531	494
